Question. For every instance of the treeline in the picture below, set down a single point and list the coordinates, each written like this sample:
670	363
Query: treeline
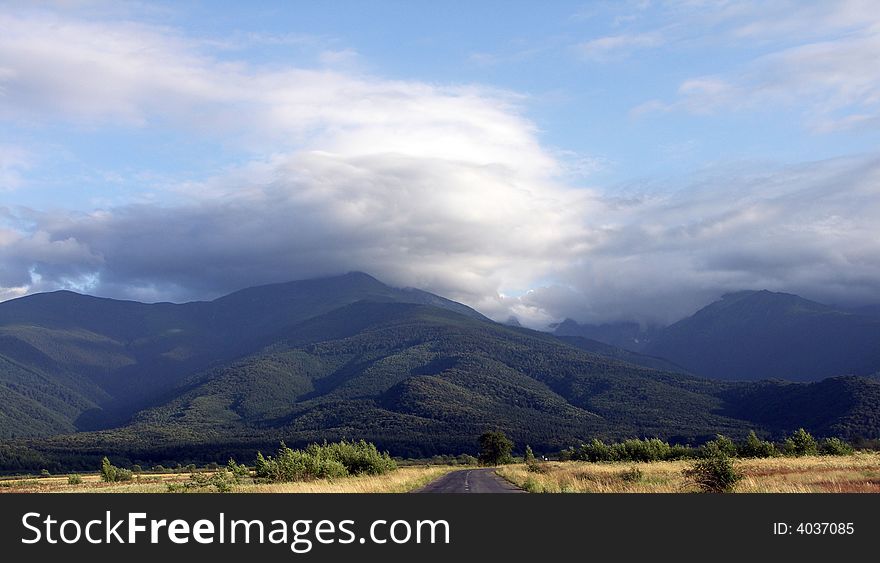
800	443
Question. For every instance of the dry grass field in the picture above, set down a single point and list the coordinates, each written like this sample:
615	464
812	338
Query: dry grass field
402	480
859	473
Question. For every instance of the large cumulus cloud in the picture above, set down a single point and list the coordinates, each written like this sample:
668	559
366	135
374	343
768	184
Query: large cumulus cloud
442	187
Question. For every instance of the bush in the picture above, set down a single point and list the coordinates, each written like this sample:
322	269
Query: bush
237	469
222	481
466	459
74	480
529	456
596	450
800	443
323	461
532	486
112	474
630	450
45	473
631	475
495	448
720	446
755	447
835	446
358	458
714	474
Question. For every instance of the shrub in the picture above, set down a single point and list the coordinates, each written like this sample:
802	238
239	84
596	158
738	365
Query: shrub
714	474
137	468
835	446
720	446
529	456
357	457
631	475
630	450
222	481
323	461
642	450
112	474
755	447
596	450
800	443
532	486
238	469
495	448
45	473
679	451
74	480
466	459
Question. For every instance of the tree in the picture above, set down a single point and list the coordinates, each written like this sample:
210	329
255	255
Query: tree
720	446
529	456
495	448
801	443
755	447
111	474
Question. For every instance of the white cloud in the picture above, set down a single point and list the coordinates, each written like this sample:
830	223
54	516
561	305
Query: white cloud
820	59
13	162
614	47
437	186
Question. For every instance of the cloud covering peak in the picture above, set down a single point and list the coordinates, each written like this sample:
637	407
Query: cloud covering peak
447	187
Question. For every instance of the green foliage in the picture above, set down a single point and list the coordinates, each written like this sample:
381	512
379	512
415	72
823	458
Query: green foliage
835	446
652	449
321	362
357	457
45	473
720	446
715	474
529	456
466	459
323	461
237	469
495	448
531	485
112	474
800	443
74	479
221	481
755	447
596	450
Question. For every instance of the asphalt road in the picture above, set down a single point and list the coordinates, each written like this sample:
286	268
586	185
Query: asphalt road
470	481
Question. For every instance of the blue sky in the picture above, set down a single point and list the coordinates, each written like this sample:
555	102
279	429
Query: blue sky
600	160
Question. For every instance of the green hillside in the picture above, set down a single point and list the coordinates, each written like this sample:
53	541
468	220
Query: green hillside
413	377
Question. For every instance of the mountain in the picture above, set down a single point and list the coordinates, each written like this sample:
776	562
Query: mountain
74	362
626	335
753	335
349	357
628	356
867	310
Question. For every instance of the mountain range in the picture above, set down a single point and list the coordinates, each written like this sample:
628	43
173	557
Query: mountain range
351	357
753	335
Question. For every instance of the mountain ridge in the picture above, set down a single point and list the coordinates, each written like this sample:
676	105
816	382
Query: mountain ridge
319	361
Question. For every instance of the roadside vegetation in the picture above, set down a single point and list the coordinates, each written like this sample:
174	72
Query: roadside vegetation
800	463
340	467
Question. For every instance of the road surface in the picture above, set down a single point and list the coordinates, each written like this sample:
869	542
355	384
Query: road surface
470	481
